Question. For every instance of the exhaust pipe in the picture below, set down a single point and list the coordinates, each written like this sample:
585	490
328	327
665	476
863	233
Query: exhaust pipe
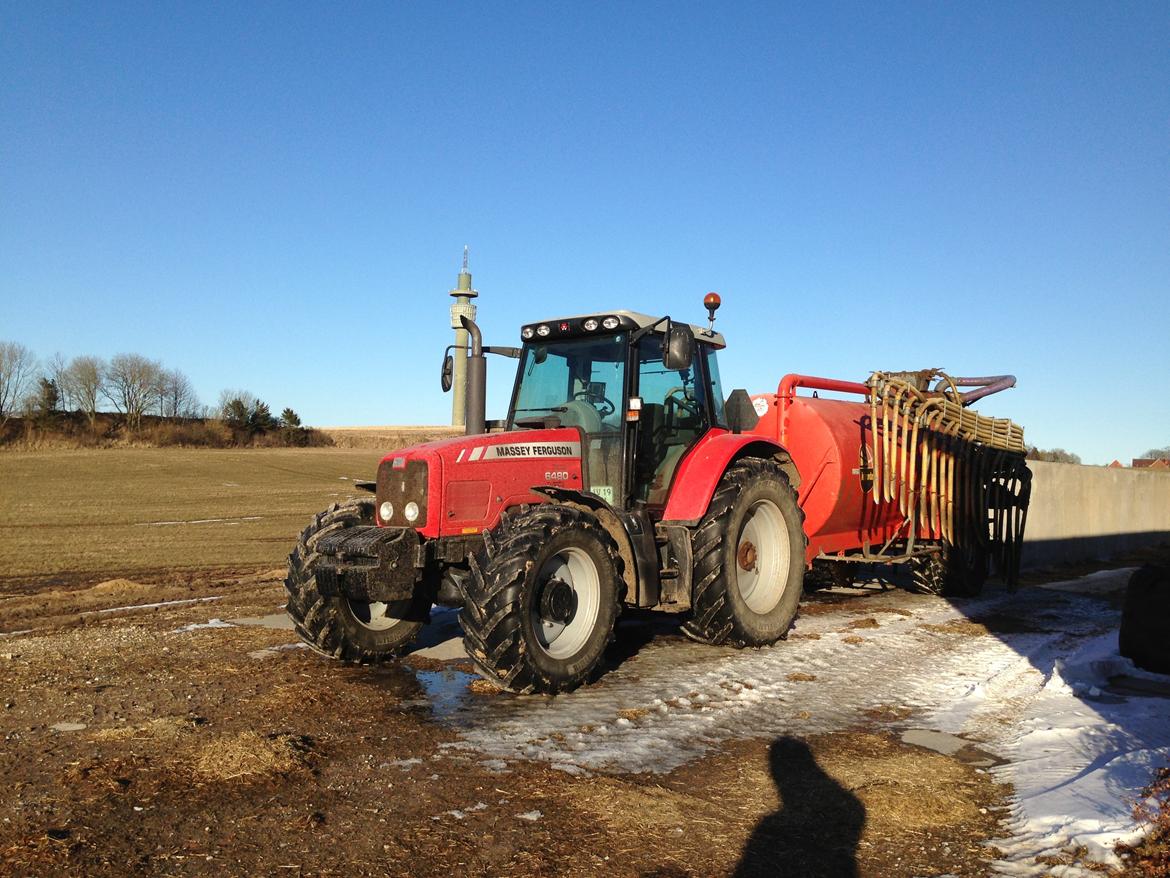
475	405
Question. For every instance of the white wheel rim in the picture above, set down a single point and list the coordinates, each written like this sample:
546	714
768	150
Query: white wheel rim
763	557
376	616
574	567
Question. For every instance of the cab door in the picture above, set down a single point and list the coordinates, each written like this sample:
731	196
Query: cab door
674	415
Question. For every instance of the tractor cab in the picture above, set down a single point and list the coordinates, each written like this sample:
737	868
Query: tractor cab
641	390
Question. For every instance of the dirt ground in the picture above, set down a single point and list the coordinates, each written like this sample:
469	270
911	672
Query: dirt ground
145	740
69	516
132	747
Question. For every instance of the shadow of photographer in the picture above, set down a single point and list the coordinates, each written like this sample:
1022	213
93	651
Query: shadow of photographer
817	827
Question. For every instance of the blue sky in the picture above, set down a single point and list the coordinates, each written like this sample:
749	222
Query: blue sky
276	195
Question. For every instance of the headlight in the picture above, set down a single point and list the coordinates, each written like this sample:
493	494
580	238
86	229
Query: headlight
543	330
386	510
527	332
591	324
410	510
610	322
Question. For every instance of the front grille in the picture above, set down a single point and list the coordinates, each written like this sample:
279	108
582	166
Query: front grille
401	486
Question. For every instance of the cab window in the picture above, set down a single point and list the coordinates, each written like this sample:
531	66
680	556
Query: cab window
714	384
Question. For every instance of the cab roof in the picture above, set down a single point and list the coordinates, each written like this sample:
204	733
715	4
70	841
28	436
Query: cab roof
574	327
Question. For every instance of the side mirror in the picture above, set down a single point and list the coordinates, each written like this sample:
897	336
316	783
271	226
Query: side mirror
677	347
740	413
446	375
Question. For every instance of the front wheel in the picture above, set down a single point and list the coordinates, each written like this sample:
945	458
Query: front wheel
350	630
539	613
749	558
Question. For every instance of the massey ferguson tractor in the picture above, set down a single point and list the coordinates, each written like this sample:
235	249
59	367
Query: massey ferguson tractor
623	476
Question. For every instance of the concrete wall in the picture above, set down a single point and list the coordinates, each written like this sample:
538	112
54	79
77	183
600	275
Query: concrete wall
1083	512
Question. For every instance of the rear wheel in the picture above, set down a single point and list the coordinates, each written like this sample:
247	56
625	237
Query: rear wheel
353	631
749	558
539	613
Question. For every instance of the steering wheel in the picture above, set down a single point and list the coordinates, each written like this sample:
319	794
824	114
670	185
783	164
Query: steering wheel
689	405
606	408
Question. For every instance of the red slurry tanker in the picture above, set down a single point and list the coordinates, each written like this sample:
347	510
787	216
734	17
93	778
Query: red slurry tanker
622	476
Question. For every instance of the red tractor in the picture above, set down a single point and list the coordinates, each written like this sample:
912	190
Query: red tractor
622	476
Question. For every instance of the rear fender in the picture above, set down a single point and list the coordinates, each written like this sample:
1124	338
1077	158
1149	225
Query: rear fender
700	471
612	524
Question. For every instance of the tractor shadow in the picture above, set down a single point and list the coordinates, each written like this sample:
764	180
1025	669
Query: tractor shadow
637	629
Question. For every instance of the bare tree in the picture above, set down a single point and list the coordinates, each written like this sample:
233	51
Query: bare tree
83	383
177	397
1054	455
1157	453
132	383
17	369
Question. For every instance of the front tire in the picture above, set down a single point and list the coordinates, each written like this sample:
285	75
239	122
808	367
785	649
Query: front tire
540	612
337	627
749	558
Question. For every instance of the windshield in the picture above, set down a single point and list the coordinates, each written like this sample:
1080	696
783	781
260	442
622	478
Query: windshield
581	382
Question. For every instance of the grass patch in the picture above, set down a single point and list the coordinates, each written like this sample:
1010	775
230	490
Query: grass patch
1150	858
965	627
249	755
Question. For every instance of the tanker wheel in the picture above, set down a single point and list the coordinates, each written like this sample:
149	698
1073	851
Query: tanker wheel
928	573
340	628
539	613
749	558
830	574
966	571
950	572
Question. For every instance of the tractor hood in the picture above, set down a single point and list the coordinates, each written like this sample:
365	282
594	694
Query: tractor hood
457	487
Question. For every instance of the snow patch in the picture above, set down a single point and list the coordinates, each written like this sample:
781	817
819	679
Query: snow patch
196	626
270	651
1035	695
1101	583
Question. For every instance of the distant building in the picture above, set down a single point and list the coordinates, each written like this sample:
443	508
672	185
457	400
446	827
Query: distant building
1151	463
1117	464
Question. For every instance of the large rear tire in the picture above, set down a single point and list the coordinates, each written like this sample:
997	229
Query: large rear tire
352	631
749	558
540	612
